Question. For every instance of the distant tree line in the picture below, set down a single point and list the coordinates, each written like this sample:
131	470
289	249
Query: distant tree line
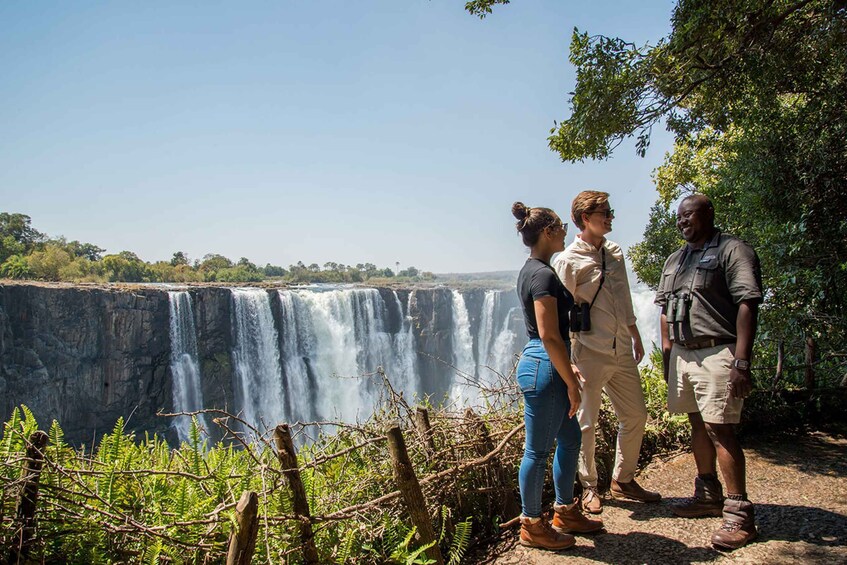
26	253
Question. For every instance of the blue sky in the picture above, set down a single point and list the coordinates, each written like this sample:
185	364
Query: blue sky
368	131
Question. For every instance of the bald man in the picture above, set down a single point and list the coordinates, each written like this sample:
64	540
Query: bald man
709	294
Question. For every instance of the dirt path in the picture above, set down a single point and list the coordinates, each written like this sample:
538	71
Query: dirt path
799	486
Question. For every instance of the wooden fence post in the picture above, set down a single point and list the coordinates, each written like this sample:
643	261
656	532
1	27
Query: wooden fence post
510	507
25	511
288	460
242	541
424	428
810	364
408	484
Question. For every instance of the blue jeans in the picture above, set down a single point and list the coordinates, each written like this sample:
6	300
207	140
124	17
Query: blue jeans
546	408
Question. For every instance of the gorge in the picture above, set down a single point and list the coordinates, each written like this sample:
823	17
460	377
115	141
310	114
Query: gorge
87	355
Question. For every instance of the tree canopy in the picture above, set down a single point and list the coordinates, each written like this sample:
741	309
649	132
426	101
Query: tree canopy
754	92
26	253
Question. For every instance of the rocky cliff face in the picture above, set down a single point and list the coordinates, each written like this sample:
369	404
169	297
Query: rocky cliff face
86	355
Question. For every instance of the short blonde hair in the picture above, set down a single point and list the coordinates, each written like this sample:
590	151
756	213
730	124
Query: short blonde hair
586	202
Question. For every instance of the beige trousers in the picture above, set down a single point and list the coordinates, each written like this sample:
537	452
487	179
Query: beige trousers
617	375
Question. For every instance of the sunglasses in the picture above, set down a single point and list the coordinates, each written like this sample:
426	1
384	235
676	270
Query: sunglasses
559	224
606	213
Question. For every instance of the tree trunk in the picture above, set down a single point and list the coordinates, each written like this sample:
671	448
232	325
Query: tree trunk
408	484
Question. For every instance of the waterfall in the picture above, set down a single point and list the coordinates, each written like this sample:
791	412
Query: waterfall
333	342
647	315
185	368
404	373
300	383
463	358
255	355
495	340
503	350
486	331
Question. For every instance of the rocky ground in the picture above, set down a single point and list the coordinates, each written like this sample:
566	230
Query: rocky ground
799	486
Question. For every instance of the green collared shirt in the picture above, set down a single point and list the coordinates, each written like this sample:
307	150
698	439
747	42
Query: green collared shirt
717	278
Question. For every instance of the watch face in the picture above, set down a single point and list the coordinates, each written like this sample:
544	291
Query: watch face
742	364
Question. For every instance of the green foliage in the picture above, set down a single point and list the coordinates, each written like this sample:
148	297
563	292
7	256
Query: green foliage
179	258
274	271
461	541
47	263
10	247
18	228
661	238
27	254
125	267
239	273
138	500
405	553
613	84
753	91
15	267
482	8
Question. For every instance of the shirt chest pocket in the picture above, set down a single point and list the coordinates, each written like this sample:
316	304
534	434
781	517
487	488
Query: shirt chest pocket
707	272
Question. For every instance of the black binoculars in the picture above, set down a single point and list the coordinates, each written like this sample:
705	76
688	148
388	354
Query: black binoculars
678	306
580	317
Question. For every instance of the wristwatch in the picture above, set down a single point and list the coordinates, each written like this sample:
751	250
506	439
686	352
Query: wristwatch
741	364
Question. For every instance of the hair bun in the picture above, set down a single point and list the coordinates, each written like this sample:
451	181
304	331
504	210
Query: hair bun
519	210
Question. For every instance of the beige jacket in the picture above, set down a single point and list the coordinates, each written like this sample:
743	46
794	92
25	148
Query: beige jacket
579	268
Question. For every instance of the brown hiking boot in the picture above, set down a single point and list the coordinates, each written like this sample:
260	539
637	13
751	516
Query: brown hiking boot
738	527
707	499
573	521
633	491
590	501
540	534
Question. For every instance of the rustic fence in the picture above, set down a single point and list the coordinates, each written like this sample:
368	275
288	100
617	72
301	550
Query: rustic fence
431	470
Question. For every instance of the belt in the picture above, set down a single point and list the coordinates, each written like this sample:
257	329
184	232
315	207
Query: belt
707	343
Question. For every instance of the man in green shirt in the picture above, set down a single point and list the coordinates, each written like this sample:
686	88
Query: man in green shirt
709	294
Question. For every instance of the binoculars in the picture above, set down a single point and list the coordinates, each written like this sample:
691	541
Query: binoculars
580	317
678	307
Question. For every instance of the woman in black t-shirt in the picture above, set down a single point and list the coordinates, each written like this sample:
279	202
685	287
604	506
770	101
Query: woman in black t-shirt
549	386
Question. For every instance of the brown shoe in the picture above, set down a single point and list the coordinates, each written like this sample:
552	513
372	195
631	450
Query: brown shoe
739	527
590	501
707	499
633	491
573	521
540	534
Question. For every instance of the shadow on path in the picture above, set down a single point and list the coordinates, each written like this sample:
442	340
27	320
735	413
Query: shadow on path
651	548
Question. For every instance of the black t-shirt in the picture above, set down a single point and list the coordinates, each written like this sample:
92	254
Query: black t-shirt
536	280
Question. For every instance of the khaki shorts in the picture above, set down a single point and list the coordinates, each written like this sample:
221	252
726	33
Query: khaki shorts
697	382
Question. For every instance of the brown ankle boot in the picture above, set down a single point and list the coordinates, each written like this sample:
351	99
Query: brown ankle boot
707	499
739	525
573	521
590	501
540	534
633	491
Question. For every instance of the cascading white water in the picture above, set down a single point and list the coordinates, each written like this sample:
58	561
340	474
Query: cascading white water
503	350
333	342
185	368
486	331
404	372
462	393
256	357
300	385
647	315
